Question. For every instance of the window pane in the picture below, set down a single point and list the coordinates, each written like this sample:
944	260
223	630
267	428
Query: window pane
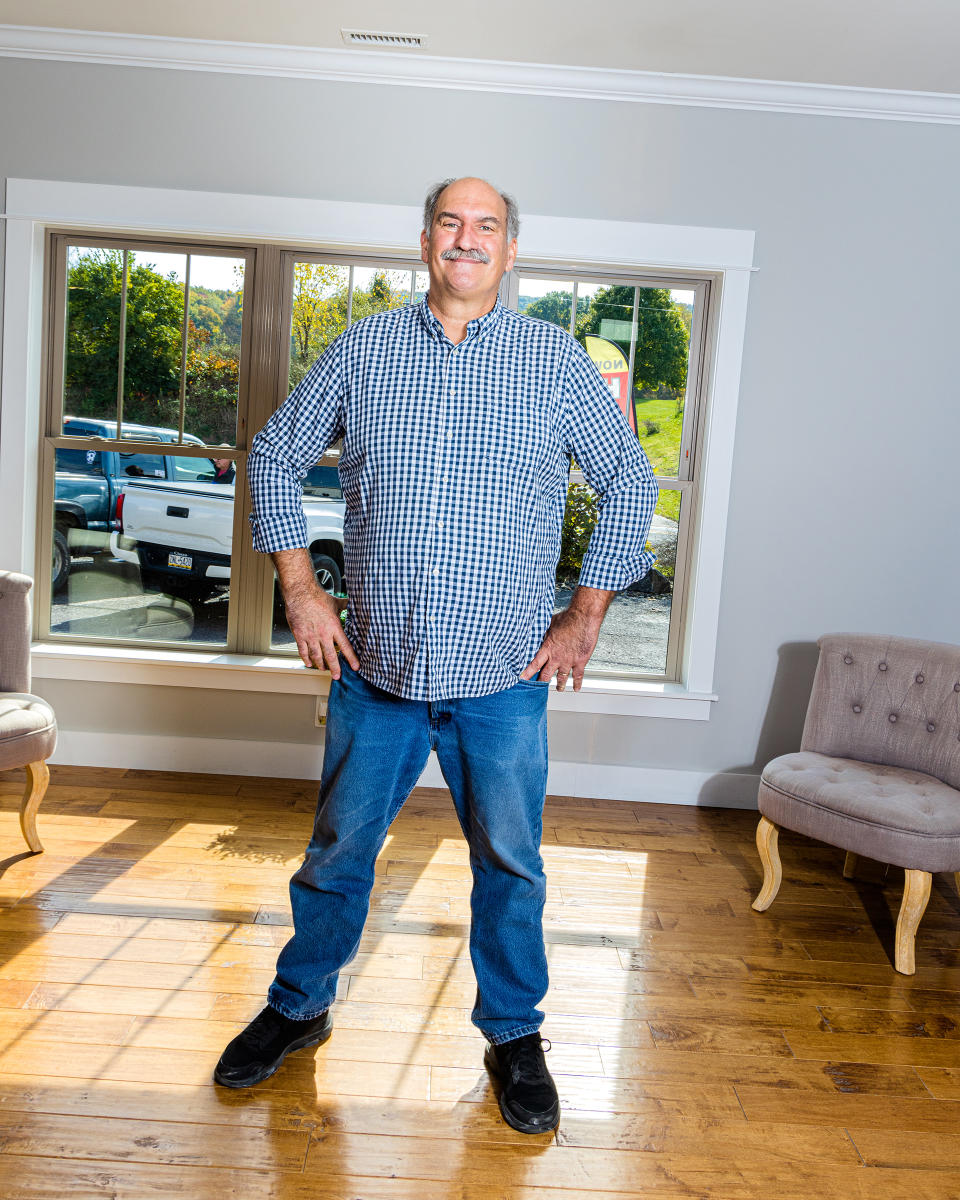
421	286
634	634
213	348
664	319
377	289
323	508
162	576
92	343
155	369
546	299
79	462
319	313
653	399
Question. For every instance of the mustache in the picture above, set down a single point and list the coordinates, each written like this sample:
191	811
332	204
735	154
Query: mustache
469	255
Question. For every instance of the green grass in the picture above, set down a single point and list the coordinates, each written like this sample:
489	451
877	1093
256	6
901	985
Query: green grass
663	448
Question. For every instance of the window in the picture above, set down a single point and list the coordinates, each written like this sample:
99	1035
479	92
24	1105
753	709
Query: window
643	334
147	375
164	358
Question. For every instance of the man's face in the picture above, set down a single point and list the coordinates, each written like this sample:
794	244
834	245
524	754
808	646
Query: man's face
468	249
221	464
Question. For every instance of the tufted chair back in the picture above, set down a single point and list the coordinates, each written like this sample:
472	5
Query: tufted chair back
888	700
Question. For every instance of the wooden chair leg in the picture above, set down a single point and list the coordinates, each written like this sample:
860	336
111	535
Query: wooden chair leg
850	865
38	776
956	879
916	893
767	838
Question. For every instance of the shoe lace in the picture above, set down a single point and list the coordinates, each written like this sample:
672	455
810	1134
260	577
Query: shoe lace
527	1065
261	1029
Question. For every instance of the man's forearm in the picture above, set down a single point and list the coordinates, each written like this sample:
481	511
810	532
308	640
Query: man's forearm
295	572
591	603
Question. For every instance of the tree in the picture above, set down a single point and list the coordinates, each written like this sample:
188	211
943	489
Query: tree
555	308
662	336
153	332
384	293
319	314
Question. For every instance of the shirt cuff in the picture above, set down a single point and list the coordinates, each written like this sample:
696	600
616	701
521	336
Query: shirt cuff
286	532
614	574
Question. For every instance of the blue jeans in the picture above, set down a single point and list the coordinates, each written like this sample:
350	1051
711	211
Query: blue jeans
493	754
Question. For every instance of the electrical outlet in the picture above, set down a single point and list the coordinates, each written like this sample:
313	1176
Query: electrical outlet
320	718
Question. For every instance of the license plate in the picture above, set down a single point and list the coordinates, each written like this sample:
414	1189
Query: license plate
176	559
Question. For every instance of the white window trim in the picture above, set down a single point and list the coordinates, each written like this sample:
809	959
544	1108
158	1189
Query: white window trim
35	205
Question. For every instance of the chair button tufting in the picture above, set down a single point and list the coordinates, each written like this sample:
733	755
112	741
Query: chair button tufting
847	659
920	678
892	718
930	727
857	708
956	687
883	666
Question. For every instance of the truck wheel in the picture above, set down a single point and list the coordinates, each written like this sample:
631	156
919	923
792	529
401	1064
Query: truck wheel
327	572
61	559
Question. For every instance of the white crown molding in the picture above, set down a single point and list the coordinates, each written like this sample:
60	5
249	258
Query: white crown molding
418	70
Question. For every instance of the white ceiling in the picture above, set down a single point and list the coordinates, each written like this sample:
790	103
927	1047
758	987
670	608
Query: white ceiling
864	43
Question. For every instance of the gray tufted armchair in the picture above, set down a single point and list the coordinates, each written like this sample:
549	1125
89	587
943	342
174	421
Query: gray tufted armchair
878	771
28	728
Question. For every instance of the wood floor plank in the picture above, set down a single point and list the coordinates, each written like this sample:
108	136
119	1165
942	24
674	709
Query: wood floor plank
851	1047
105	1138
919	1114
908	1150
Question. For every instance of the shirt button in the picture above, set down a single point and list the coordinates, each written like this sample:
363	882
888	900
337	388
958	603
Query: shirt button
439	524
448	435
435	571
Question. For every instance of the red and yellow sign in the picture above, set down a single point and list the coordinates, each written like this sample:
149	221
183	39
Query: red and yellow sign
613	366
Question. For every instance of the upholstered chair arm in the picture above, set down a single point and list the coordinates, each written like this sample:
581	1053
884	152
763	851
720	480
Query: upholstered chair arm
14	631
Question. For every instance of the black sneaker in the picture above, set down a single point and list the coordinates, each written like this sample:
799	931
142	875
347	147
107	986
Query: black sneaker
256	1053
528	1096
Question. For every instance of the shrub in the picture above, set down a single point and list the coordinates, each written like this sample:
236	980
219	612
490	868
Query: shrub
579	522
650	427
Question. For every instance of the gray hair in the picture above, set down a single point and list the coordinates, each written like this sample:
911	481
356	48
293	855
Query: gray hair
433	196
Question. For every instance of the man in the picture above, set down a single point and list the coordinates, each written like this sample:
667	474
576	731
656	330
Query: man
458	419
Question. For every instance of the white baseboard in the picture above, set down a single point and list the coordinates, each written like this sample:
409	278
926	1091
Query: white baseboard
296	760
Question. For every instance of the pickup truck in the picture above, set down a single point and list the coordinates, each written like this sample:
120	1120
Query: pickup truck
180	534
88	484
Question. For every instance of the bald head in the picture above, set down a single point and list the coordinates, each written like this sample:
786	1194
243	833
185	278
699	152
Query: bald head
506	206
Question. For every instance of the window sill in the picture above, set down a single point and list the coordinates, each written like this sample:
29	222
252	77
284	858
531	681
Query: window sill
266	673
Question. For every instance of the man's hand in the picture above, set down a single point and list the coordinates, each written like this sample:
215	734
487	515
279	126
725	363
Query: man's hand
571	638
312	615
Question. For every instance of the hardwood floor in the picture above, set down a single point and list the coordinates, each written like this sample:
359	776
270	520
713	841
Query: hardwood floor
701	1049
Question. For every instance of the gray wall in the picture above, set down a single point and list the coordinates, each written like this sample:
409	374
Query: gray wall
843	506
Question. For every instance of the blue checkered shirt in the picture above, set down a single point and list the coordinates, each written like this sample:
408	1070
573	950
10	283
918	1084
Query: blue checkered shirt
454	472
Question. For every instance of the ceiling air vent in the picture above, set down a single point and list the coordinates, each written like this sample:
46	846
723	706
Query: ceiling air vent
369	38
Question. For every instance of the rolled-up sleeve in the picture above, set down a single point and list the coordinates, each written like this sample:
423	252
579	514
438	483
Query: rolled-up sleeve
291	442
606	449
